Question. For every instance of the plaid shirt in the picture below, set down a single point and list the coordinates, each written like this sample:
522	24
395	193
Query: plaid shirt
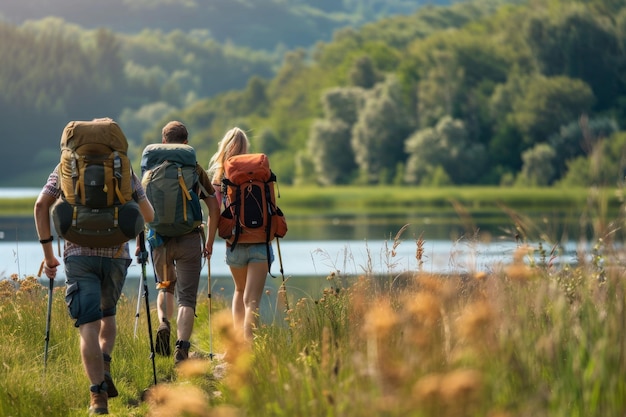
52	188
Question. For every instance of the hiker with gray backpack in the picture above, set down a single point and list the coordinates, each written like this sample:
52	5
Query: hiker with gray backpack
175	183
97	204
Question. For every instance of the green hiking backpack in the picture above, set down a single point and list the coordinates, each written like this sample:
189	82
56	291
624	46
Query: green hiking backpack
96	208
169	177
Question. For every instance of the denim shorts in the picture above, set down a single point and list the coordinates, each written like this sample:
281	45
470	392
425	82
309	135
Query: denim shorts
245	253
93	286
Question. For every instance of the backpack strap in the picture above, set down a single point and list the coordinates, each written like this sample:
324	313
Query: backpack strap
184	191
236	213
78	179
116	216
75	174
117	176
232	207
268	225
203	190
75	216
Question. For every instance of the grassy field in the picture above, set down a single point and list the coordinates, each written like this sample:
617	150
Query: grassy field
306	200
393	198
524	338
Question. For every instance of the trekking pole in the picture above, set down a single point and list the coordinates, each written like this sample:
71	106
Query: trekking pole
48	318
143	258
210	309
282	273
138	303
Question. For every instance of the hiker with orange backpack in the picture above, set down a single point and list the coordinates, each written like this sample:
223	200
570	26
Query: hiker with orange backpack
247	230
175	183
97	204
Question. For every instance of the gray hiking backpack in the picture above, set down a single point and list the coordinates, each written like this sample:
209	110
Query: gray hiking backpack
169	178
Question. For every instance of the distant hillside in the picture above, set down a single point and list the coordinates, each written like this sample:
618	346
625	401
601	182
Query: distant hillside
259	24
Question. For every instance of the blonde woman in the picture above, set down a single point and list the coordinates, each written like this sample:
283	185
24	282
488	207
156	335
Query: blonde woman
248	262
234	142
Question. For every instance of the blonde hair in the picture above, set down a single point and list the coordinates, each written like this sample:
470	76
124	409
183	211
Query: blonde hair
234	142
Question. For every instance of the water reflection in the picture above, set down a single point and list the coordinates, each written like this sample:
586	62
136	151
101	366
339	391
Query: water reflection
557	226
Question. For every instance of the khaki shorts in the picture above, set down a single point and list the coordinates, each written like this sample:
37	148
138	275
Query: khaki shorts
177	264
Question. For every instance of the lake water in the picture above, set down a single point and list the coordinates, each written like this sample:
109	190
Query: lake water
313	249
306	265
317	246
315	258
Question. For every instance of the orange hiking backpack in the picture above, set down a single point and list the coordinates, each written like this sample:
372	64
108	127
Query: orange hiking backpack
250	212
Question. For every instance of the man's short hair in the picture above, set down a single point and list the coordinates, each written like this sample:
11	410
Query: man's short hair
174	132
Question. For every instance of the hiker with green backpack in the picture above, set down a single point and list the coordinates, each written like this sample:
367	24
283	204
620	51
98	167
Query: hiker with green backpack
97	204
175	183
249	221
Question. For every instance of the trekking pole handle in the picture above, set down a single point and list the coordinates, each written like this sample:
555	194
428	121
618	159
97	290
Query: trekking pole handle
142	257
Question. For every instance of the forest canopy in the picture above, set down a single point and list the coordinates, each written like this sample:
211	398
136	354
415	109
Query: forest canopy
474	93
478	92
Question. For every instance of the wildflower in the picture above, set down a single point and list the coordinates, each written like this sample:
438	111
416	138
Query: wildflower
177	400
429	282
7	289
427	390
193	368
424	307
518	270
461	388
238	353
476	323
232	338
424	316
282	297
30	285
480	276
380	319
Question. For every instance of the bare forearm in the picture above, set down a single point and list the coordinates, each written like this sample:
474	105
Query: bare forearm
44	232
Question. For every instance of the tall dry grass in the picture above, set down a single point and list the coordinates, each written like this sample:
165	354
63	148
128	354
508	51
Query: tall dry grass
524	337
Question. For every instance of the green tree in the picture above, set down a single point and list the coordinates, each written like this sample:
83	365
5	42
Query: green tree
329	143
447	147
566	44
108	61
378	135
605	164
579	138
538	168
254	99
330	151
363	73
267	141
547	104
343	103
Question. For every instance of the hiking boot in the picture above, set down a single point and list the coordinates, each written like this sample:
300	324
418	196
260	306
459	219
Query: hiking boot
163	339
111	390
99	399
182	351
